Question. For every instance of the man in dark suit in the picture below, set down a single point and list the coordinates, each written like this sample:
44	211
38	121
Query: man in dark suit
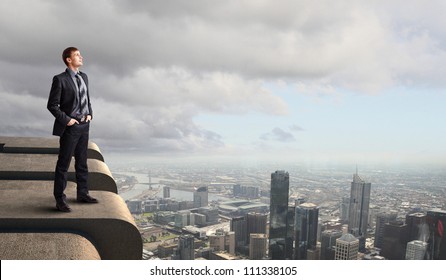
69	102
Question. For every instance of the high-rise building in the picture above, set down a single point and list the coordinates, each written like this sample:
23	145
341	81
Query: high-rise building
166	250
299	201
186	247
238	226
417	226
198	219
230	242
416	250
381	220
436	219
305	229
328	243
150	205
347	247
257	246
135	206
217	242
280	240
256	223
210	213
359	209
290	232
166	192
201	197
394	240
183	218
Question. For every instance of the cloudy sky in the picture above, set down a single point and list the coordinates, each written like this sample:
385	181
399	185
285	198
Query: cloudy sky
312	81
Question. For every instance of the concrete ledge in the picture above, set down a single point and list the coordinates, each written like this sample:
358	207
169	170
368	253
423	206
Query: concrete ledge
41	167
40	145
29	206
46	246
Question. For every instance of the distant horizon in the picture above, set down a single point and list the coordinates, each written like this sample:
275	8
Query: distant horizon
118	161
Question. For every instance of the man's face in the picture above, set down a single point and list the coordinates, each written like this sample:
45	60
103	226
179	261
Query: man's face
75	60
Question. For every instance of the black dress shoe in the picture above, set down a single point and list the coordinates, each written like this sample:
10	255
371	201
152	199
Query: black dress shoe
63	207
87	199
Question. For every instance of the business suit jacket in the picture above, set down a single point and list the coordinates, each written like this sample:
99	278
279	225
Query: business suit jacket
63	99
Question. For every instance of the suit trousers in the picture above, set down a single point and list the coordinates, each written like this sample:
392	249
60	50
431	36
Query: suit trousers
74	141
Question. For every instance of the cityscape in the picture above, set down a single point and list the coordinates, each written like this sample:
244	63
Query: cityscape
225	212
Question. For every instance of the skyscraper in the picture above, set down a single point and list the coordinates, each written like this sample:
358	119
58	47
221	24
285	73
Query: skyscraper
381	220
186	247
256	223
238	226
359	209
436	219
305	229
290	228
347	247
416	250
230	242
417	226
257	246
395	240
328	243
280	240
201	197
166	192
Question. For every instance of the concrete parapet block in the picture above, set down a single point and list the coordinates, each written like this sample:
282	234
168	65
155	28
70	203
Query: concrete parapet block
42	166
46	246
93	151
29	206
41	145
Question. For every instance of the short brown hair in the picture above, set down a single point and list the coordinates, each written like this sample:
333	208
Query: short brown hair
67	53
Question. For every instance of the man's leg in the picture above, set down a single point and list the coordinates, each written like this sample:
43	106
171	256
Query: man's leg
80	156
68	143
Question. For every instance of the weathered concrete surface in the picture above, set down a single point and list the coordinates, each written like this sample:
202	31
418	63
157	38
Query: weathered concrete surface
46	246
29	206
41	167
41	145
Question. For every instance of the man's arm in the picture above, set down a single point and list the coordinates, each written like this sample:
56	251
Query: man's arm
54	102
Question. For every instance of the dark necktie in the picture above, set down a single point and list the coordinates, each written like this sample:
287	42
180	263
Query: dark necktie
82	96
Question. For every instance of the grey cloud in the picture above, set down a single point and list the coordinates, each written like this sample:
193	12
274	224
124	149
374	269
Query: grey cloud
357	45
213	91
278	134
24	115
151	130
154	65
295	127
346	43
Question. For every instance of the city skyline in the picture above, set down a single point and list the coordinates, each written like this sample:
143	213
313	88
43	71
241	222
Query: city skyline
300	81
295	220
163	212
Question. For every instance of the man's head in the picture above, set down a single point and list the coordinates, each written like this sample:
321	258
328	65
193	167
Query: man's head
72	57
